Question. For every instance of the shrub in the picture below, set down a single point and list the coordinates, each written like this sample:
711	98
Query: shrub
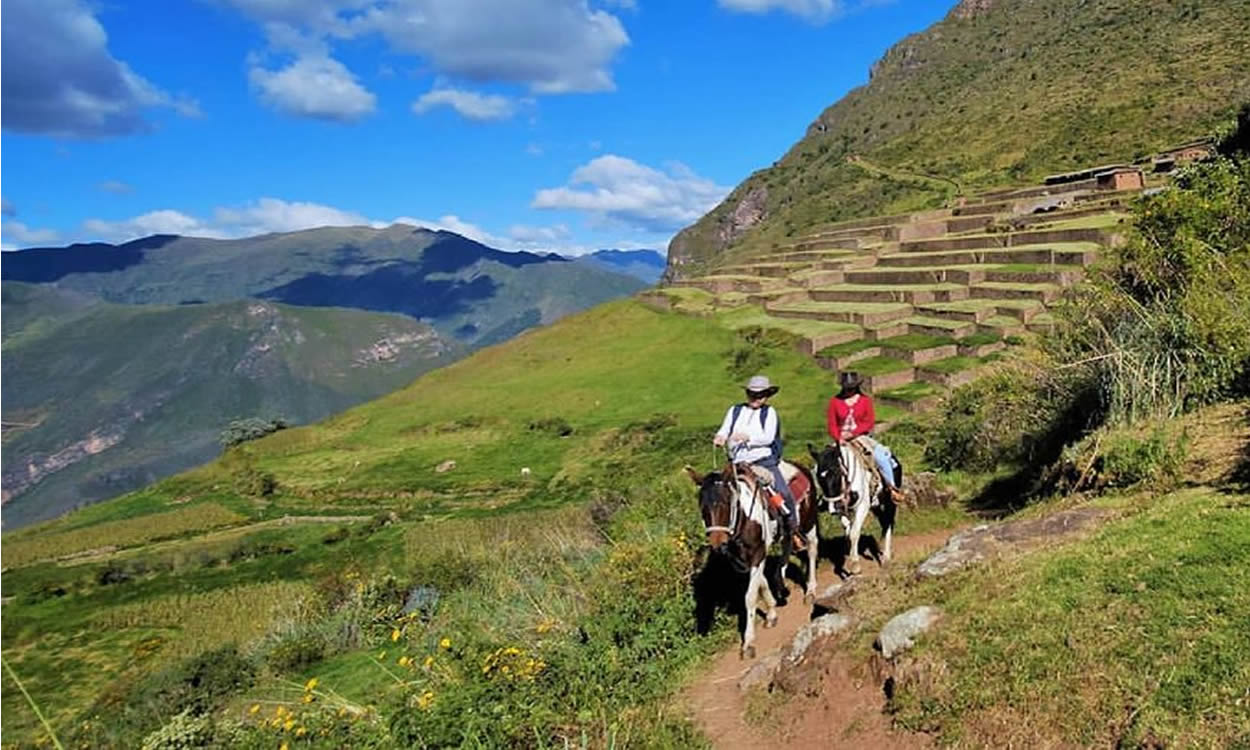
1155	460
754	350
558	426
1164	326
252	428
182	732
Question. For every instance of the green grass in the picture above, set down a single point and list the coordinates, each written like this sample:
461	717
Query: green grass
980	339
951	365
847	348
916	341
748	316
1135	636
880	366
912	392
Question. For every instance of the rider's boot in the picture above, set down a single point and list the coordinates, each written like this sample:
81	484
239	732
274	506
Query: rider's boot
792	528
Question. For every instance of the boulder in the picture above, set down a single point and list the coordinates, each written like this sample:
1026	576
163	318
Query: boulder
900	632
923	490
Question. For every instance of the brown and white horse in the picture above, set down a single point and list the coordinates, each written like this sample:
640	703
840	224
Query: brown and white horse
734	509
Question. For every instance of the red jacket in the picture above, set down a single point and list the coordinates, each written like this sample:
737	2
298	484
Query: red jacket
863	413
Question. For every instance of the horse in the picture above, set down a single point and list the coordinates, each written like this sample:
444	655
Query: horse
846	484
735	518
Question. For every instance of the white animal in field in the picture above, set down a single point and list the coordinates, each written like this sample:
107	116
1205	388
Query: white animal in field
525	471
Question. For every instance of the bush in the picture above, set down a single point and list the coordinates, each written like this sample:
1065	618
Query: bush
243	430
754	350
1018	415
1164	325
1154	460
558	426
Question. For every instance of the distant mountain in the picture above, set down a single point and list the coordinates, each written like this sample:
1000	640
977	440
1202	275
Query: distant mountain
644	265
999	92
466	290
100	398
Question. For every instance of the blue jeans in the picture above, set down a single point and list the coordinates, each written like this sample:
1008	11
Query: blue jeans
780	485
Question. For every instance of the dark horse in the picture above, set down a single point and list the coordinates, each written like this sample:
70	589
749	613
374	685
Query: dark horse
847	486
735	516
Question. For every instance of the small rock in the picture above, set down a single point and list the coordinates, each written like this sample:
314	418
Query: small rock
899	633
924	490
762	672
961	549
445	466
834	596
821	627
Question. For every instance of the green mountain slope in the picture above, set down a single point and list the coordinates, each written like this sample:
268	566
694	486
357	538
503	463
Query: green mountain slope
102	398
463	288
999	92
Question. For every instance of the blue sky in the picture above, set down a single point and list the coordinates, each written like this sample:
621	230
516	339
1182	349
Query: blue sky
529	124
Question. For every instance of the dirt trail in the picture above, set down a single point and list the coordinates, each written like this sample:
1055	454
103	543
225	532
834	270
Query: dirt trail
848	713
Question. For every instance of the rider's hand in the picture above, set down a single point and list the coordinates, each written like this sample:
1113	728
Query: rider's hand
739	437
719	440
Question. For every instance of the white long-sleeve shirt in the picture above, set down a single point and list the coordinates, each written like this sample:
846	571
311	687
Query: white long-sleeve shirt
760	434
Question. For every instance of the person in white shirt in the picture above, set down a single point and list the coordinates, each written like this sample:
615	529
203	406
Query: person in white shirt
752	431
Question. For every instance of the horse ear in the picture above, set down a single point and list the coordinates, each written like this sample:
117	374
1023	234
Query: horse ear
812	450
695	476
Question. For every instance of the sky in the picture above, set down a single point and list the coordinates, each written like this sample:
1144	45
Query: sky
547	125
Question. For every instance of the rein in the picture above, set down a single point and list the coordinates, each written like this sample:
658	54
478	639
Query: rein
735	512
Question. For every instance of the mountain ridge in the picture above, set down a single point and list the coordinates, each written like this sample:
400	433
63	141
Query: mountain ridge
1050	85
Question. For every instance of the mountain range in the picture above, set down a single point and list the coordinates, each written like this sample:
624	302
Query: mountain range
122	363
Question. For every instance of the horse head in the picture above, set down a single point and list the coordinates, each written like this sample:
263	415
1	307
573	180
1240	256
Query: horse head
830	474
716	505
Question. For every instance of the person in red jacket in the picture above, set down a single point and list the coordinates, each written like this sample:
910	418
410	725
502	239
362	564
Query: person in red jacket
850	418
850	412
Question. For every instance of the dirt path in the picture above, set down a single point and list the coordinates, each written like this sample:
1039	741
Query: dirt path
847	713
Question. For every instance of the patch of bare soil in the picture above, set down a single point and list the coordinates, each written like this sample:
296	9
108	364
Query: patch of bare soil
839	700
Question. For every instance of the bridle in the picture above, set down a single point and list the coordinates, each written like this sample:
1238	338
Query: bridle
844	477
735	510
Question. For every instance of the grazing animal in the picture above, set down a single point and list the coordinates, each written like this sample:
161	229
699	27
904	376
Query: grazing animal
848	486
736	521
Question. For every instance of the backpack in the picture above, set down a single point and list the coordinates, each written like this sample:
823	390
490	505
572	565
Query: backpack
777	444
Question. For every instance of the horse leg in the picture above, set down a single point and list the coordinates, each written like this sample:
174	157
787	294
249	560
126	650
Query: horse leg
886	516
748	632
813	549
770	603
857	527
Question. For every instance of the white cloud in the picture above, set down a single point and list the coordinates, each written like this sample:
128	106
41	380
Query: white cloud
614	189
316	86
17	233
116	187
549	46
556	234
166	221
267	215
816	11
469	104
60	78
534	149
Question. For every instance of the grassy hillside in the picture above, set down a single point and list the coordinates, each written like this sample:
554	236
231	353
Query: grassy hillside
466	290
100	399
602	407
999	92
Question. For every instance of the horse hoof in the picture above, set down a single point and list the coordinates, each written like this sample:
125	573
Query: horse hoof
809	597
747	653
770	621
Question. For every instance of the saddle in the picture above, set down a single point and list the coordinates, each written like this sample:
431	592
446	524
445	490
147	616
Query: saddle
763	477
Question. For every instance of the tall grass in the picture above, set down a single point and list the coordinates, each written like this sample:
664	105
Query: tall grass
113	534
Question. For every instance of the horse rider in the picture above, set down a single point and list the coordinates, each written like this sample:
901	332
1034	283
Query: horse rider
851	418
752	431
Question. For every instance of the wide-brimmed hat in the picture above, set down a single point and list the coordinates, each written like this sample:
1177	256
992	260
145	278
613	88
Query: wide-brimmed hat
761	384
850	380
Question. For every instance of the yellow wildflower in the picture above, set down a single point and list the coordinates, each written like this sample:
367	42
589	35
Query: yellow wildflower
429	662
395	635
445	643
308	698
308	686
255	707
381	655
403	661
425	700
300	732
285	746
286	725
545	625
